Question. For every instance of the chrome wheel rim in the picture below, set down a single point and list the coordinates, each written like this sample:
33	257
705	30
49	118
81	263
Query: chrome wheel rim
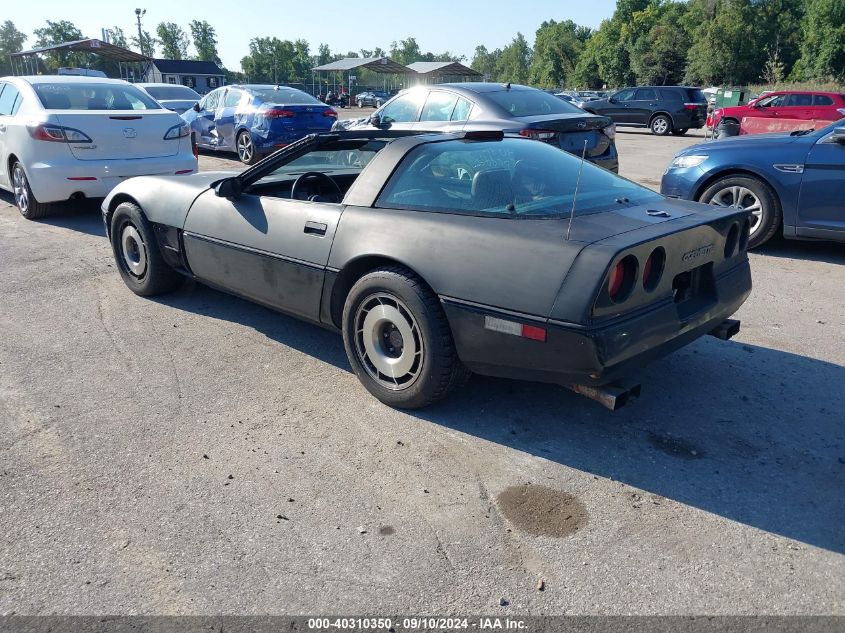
20	190
133	250
245	147
742	198
660	126
388	341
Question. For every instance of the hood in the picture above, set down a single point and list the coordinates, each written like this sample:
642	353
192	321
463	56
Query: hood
774	140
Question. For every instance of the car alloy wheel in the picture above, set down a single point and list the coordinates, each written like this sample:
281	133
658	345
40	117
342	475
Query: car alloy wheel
133	250
741	198
388	341
20	189
246	150
660	126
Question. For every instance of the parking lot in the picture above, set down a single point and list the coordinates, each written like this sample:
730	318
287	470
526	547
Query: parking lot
197	454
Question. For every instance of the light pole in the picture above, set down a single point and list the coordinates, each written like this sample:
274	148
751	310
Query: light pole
139	13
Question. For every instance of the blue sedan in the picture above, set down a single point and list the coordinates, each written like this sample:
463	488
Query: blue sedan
256	120
794	183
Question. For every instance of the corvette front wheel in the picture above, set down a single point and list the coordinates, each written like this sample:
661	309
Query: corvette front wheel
398	340
137	254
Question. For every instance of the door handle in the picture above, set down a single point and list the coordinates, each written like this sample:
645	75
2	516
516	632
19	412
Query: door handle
315	228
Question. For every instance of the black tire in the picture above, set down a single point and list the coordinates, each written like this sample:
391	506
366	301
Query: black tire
764	226
396	289
155	276
245	148
25	200
680	131
661	125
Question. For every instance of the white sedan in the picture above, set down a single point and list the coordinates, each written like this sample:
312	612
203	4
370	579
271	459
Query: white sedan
65	137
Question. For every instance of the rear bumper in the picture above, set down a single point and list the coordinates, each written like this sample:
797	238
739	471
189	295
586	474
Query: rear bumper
593	355
58	179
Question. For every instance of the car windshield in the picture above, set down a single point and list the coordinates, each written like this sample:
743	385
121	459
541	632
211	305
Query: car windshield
284	96
511	178
172	93
340	156
531	103
93	96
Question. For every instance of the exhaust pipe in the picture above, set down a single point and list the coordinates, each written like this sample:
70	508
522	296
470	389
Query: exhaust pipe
727	329
613	396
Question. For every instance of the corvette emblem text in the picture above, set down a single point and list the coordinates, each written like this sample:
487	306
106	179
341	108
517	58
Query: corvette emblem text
698	252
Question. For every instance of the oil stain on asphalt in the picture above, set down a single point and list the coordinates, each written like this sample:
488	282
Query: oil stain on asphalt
542	511
675	446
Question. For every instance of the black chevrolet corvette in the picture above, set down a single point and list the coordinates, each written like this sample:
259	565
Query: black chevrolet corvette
438	255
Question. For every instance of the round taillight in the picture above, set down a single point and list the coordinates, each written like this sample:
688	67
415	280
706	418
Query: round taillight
621	279
653	269
743	235
731	240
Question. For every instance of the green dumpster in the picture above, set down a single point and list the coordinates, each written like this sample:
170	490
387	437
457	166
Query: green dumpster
731	96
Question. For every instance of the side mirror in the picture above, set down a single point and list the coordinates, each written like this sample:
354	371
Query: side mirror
377	121
196	107
838	135
611	100
228	188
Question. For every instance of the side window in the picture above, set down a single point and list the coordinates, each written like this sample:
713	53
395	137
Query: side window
403	109
624	95
232	99
8	100
210	101
778	101
670	95
438	106
798	101
462	110
822	100
646	94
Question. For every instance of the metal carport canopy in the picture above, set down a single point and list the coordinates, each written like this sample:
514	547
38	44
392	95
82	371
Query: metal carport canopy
98	47
445	69
376	64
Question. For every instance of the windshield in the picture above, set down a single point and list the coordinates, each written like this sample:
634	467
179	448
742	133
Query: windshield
513	178
172	93
93	96
341	156
531	103
284	96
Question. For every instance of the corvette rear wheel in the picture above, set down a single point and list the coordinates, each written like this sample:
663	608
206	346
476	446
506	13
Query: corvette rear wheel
137	254
246	148
750	194
29	207
398	340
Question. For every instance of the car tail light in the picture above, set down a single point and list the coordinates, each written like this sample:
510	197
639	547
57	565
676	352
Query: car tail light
732	240
653	268
620	282
177	131
693	106
279	113
58	134
330	113
533	332
184	171
538	135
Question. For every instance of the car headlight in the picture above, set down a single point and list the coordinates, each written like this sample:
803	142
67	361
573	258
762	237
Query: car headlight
177	131
684	162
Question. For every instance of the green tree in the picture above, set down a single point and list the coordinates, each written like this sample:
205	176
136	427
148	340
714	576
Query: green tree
118	37
147	43
823	42
406	51
659	53
270	60
205	41
58	33
11	41
324	55
514	61
557	49
174	41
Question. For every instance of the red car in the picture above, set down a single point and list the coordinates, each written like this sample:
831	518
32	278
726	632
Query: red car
792	104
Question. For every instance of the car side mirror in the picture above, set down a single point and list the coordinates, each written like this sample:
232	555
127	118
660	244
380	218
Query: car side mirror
377	121
838	135
196	107
611	100
229	188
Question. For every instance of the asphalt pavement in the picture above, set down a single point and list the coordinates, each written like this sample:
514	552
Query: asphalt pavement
198	454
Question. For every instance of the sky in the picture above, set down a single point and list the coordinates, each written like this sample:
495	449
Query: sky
437	25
